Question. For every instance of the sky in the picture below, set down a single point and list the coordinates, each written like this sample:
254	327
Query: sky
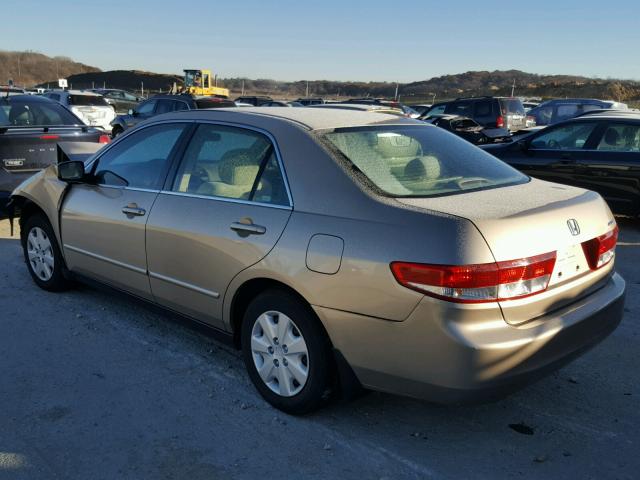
404	41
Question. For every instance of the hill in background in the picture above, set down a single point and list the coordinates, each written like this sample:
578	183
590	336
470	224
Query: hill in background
30	68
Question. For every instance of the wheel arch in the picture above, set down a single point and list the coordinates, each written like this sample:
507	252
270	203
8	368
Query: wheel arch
250	289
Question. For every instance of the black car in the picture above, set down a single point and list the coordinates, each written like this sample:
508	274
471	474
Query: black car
253	100
120	100
30	128
495	112
471	130
164	104
311	101
596	152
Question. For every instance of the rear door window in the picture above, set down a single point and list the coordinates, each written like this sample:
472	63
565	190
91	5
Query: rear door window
146	108
464	109
24	114
565	112
483	108
231	162
620	138
573	136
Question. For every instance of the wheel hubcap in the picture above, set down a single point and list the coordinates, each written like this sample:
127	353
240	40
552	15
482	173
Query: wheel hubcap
40	254
280	353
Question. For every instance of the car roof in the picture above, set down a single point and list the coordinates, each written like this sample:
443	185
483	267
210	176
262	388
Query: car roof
310	118
610	114
26	98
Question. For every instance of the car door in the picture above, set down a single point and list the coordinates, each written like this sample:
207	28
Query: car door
222	211
103	222
553	154
612	166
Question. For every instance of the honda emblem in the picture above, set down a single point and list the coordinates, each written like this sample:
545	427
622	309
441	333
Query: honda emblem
574	228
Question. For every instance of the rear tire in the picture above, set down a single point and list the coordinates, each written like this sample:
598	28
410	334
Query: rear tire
42	254
287	353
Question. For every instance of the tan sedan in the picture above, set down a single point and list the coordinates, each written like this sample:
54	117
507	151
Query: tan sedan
336	248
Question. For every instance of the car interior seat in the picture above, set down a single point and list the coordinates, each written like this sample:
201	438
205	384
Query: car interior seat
421	173
20	115
237	171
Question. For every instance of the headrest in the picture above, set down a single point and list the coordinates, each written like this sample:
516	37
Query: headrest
611	137
238	167
422	168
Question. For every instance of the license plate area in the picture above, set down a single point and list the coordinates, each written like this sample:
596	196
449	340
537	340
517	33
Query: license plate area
570	263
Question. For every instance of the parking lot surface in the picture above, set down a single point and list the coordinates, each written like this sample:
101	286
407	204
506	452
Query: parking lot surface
96	386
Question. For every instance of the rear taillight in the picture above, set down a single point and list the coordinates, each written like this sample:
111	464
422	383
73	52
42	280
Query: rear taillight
500	122
600	250
104	139
49	137
479	283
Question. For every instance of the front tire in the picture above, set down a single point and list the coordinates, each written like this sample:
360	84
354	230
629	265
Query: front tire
287	352
42	254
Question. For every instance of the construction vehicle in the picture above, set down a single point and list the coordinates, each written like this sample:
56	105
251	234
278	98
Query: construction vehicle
200	83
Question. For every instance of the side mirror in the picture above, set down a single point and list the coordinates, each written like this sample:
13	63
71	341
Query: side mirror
132	112
72	171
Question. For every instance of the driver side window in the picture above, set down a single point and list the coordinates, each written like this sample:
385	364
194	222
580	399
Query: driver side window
573	136
140	160
146	107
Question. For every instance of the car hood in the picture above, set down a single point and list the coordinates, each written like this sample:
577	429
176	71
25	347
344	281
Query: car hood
530	219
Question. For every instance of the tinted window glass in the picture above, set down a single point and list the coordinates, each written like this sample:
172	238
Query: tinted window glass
564	112
141	159
621	138
484	109
165	106
420	161
437	110
226	161
24	114
464	109
54	96
567	137
128	96
87	100
146	107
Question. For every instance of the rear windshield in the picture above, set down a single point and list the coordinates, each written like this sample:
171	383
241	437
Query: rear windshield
420	161
25	114
87	100
512	105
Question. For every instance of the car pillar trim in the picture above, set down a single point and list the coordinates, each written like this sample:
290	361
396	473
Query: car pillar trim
106	259
189	286
225	199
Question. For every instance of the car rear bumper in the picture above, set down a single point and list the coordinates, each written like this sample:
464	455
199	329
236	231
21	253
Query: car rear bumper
459	359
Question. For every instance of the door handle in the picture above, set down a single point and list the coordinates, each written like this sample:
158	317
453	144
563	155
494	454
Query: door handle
248	228
133	209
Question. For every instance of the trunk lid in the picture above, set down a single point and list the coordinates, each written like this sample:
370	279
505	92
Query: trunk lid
532	219
30	149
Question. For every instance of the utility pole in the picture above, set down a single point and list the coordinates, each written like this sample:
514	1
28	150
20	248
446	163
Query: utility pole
307	95
142	89
433	100
513	87
104	84
395	97
242	87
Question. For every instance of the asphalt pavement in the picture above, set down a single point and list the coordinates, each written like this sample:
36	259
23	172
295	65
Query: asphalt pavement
96	386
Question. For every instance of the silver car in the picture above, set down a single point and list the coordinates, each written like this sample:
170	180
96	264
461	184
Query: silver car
336	248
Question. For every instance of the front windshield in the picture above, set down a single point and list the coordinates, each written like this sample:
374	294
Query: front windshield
420	161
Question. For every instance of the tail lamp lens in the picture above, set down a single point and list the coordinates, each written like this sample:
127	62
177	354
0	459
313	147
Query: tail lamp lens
104	139
479	283
600	250
500	122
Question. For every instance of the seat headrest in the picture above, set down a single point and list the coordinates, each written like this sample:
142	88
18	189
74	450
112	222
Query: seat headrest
238	167
611	137
423	168
19	115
